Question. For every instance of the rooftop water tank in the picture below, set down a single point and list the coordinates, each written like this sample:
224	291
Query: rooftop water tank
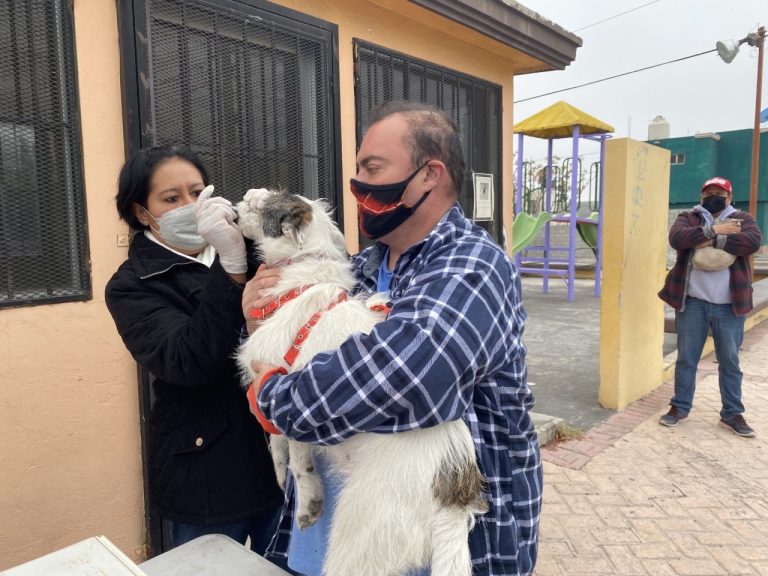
658	128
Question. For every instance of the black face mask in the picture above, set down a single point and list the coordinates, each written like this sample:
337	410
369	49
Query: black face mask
713	204
380	207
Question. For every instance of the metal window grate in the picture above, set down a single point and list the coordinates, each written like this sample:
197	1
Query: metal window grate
250	92
474	104
43	239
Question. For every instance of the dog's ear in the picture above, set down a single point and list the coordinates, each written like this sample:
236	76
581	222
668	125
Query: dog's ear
294	224
338	240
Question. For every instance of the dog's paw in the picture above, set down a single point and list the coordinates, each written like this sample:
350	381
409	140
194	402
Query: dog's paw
309	489
281	474
308	517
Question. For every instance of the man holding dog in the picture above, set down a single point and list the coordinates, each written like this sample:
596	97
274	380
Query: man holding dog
450	347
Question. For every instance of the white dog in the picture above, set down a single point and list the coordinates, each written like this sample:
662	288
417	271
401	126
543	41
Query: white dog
408	500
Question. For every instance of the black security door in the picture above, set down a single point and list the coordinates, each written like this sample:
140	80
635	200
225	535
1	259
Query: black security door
250	86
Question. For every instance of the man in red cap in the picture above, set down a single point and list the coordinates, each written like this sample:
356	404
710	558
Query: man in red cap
710	288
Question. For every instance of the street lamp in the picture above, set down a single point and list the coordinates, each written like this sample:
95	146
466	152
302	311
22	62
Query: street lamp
727	49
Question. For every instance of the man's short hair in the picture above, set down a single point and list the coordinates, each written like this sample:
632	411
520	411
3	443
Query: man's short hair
433	135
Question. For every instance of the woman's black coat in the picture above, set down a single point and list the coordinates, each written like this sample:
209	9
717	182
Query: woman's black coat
208	457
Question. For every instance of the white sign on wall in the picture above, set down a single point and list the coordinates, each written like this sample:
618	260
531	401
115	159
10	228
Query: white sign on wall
483	190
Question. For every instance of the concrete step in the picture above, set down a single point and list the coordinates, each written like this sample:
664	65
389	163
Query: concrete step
546	427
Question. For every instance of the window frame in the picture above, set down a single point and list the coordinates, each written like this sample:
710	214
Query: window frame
62	43
677	159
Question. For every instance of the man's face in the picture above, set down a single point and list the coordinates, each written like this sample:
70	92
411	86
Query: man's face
384	158
717	191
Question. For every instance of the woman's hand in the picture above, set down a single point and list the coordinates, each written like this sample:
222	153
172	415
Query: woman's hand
256	293
216	223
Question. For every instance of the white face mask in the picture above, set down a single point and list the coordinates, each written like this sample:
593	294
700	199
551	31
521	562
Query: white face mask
178	227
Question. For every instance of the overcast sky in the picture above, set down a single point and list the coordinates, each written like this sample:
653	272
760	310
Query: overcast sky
702	94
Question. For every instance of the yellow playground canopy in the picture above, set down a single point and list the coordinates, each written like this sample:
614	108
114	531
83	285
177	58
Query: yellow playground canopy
558	120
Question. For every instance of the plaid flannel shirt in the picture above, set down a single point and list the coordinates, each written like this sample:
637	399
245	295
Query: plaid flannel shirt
450	348
687	232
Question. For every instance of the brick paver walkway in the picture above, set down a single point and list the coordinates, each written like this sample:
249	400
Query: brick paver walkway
634	497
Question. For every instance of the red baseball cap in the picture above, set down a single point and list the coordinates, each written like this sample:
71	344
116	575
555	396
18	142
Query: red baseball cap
721	183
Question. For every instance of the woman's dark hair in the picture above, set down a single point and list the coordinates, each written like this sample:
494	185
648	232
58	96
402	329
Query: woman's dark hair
133	182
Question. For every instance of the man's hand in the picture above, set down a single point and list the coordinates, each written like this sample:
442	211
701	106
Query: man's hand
259	370
255	293
727	227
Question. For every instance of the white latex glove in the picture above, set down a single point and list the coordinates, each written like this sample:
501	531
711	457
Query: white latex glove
216	223
255	197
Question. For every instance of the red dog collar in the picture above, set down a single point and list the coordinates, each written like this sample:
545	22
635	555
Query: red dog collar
293	351
262	313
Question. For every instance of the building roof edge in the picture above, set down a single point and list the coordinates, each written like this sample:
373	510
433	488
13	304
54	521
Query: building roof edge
513	25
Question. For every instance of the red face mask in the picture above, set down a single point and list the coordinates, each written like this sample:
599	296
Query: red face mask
380	207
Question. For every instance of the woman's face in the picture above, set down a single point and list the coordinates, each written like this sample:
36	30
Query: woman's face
174	183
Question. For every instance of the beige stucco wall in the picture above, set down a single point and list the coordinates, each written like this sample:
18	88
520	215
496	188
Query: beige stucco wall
634	266
69	413
69	425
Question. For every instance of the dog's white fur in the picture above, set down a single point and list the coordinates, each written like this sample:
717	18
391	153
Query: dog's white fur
392	514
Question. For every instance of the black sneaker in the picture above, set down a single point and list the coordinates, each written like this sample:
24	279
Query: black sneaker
738	426
672	417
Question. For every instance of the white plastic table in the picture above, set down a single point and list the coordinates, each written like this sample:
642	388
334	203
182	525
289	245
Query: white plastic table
211	555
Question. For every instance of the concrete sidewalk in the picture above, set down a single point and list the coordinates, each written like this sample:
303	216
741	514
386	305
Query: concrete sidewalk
563	340
634	497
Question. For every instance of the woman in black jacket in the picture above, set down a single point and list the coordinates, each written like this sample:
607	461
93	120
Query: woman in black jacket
176	302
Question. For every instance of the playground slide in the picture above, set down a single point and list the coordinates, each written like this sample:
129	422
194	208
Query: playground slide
588	232
525	227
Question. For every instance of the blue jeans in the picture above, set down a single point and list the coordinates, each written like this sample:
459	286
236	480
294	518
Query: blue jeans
260	528
727	329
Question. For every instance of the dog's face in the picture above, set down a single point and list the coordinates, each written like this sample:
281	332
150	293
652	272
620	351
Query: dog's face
284	225
272	214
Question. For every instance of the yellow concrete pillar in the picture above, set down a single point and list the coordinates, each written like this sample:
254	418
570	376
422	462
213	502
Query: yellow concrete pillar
634	266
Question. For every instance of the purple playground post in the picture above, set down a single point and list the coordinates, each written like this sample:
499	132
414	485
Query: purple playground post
519	192
572	220
548	208
601	197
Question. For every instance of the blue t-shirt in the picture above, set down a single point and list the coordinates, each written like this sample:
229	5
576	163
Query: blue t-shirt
385	275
